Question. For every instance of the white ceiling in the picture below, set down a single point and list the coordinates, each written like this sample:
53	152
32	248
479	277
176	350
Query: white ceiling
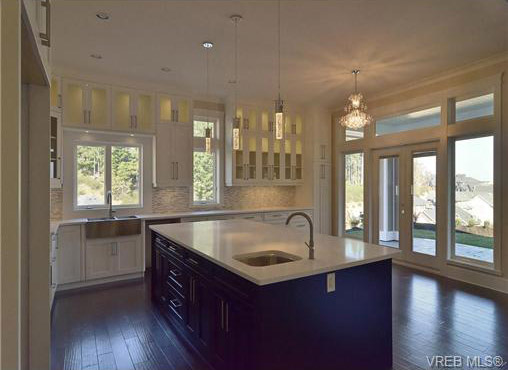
393	42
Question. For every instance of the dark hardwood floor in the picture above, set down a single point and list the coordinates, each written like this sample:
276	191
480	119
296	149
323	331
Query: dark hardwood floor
117	327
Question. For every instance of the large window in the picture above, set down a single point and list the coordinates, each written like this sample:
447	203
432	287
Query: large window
474	198
353	180
102	168
205	170
410	121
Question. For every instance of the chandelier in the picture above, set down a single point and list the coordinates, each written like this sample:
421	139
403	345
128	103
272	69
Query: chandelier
356	116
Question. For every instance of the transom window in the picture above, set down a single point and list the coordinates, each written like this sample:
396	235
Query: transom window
409	121
103	168
480	106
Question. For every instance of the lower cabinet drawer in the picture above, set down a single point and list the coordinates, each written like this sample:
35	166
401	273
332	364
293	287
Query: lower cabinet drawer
176	278
175	304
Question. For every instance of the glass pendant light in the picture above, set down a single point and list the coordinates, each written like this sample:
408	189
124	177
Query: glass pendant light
208	140
356	116
236	120
208	131
279	103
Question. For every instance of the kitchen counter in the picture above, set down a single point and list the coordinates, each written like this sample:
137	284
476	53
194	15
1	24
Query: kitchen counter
161	216
221	241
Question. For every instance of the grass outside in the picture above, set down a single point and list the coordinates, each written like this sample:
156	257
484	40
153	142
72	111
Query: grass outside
460	237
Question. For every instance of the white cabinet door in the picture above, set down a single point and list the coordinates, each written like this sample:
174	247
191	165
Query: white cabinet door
182	154
129	256
99	259
69	254
164	164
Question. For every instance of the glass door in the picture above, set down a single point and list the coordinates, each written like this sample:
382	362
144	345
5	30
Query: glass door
389	205
405	203
424	201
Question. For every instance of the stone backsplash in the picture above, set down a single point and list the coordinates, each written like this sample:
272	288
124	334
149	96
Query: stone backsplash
56	204
178	199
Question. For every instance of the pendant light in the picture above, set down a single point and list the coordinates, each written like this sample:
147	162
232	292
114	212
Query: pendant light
208	131
356	116
236	120
279	103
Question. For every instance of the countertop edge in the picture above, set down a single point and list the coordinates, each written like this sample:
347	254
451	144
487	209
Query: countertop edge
54	225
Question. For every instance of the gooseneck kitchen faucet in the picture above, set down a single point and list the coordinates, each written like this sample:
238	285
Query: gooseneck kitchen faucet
310	244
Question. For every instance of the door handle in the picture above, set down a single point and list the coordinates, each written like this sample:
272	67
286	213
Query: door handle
131	121
176	170
136	121
172	170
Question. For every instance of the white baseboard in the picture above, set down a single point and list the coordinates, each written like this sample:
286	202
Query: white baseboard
497	283
88	283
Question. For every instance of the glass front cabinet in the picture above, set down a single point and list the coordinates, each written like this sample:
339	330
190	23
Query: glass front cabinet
261	159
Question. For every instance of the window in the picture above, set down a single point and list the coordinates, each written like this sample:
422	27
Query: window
125	175
410	121
91	175
102	168
479	106
474	198
204	175
424	199
353	197
353	134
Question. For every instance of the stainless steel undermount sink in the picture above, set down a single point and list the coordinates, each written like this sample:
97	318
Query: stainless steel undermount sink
110	227
266	258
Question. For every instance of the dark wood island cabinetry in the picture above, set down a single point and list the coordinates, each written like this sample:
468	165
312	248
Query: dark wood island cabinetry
295	324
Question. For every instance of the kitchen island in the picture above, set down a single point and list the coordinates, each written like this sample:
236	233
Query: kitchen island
246	296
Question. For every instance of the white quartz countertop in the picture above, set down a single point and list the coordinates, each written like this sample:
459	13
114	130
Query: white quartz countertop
201	213
221	241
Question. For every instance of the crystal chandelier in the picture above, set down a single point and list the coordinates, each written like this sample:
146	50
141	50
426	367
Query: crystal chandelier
208	45
356	116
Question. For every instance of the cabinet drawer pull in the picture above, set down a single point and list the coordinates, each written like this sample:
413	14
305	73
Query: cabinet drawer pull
175	303
176	282
222	314
175	272
227	317
193	261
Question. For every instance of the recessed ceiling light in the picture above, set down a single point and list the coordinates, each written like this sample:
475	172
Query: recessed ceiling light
103	16
208	44
132	135
96	56
166	69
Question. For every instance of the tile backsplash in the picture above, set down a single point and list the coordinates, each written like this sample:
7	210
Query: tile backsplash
56	204
178	199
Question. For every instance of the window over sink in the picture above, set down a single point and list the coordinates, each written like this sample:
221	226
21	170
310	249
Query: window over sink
100	168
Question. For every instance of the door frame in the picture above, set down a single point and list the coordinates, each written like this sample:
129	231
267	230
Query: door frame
405	154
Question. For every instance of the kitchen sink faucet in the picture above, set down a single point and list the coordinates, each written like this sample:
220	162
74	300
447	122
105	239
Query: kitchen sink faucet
310	244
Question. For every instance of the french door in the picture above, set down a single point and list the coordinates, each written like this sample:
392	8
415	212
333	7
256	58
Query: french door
405	201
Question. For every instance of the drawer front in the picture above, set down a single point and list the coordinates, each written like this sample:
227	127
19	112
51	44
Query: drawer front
176	278
250	217
276	217
197	263
175	304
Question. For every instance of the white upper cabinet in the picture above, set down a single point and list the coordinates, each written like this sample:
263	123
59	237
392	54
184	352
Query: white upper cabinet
261	159
55	96
86	104
133	110
171	109
174	155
